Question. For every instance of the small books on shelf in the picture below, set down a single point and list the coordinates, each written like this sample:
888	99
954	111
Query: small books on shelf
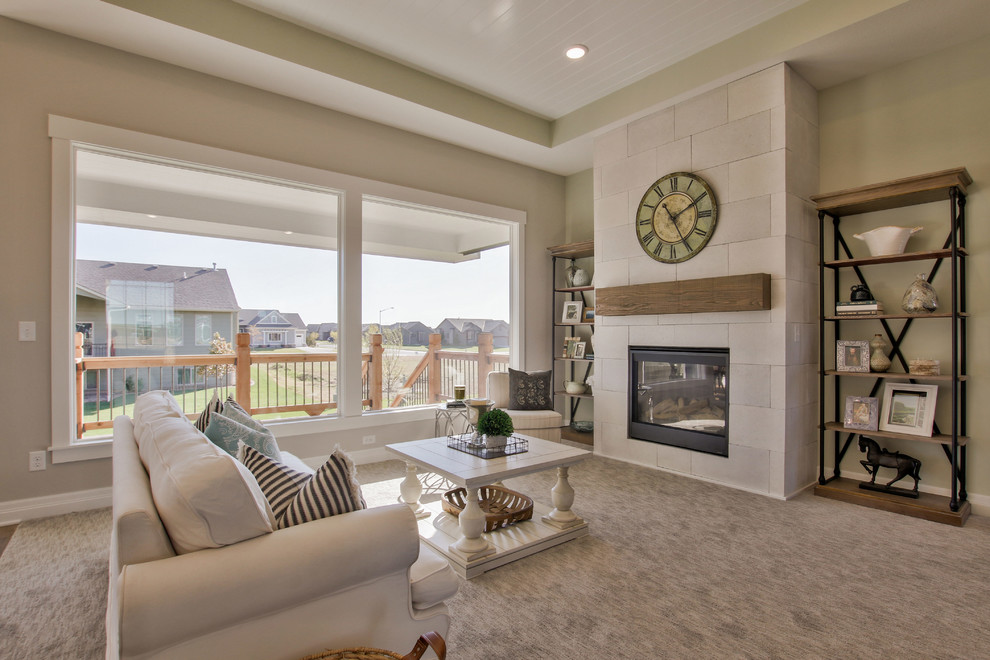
858	308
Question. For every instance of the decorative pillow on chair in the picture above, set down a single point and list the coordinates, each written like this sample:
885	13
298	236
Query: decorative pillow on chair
530	391
296	497
226	432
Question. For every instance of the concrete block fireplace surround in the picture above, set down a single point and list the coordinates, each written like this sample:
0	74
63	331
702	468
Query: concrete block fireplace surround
755	141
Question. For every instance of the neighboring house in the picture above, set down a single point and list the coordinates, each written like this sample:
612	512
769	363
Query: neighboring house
270	328
149	309
125	309
415	333
464	332
323	330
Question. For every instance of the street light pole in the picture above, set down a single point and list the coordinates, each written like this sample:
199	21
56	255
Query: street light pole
380	331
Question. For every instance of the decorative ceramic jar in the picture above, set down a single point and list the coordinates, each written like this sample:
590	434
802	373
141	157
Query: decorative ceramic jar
859	292
575	276
887	240
920	298
879	361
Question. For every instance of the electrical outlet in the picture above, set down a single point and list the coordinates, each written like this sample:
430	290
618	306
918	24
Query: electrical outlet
37	461
368	440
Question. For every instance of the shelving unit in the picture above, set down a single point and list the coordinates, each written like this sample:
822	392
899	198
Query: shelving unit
950	186
565	369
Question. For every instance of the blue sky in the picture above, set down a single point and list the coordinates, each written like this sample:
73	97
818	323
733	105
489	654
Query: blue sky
303	280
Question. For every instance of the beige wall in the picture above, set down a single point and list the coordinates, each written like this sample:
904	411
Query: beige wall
924	116
42	73
579	207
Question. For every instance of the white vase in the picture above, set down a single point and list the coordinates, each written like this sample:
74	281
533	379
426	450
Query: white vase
495	441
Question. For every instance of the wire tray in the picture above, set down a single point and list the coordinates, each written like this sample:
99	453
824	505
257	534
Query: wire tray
467	443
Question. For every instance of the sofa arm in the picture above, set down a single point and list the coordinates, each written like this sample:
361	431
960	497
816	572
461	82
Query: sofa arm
170	600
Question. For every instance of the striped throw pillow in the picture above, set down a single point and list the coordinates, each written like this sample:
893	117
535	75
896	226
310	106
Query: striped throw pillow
213	406
296	497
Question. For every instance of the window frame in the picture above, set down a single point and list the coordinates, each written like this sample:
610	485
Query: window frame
69	135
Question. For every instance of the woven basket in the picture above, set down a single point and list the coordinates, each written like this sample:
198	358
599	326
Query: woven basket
431	640
501	506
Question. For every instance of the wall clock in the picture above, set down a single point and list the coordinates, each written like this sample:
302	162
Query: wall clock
676	217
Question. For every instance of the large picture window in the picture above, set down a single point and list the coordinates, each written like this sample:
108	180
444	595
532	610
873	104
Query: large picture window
167	254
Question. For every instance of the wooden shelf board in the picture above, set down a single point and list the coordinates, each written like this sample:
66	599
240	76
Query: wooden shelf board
936	439
573	250
928	506
565	325
583	437
933	315
576	396
894	258
589	360
574	289
892	374
920	189
733	293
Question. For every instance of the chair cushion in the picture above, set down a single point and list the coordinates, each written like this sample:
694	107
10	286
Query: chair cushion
534	419
530	391
433	580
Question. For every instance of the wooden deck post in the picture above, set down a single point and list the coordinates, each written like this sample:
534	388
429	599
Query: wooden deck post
375	374
485	350
434	376
242	370
80	383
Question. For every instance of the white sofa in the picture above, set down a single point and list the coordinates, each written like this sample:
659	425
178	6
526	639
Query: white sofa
543	424
357	579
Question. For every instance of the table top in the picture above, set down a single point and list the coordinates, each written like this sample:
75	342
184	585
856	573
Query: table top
472	471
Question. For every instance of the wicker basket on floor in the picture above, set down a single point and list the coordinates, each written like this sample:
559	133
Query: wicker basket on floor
431	640
501	506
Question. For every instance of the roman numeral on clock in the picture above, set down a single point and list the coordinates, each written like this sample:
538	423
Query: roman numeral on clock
707	213
649	236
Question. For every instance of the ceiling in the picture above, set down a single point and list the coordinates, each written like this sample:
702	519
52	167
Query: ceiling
490	75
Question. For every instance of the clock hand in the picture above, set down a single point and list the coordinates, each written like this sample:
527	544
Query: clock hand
693	203
673	220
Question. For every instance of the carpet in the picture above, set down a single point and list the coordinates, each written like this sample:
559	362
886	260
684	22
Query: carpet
672	568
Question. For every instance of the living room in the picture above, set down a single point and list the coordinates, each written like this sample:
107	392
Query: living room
899	117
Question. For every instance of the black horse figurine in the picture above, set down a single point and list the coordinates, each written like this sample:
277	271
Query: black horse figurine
877	458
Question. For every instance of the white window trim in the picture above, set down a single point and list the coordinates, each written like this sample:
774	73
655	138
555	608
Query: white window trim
69	134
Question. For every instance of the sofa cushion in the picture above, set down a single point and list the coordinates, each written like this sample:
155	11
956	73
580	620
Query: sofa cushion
524	420
226	432
530	391
204	497
298	497
432	579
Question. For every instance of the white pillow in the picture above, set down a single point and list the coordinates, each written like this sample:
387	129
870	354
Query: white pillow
204	496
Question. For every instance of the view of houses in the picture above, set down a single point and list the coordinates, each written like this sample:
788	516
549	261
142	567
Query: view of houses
150	309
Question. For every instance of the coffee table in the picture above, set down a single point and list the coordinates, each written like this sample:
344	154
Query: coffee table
462	539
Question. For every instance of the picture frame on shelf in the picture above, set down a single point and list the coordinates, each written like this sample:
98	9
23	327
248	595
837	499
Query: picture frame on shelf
862	413
569	346
908	408
579	350
852	355
572	312
589	315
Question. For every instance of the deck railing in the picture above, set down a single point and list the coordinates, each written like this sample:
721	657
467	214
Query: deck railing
273	384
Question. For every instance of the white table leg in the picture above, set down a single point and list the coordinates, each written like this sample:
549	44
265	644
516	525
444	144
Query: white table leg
471	522
411	490
563	497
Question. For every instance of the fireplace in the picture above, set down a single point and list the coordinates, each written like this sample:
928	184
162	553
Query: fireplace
680	397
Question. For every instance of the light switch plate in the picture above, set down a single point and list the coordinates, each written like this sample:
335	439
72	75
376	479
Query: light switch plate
26	331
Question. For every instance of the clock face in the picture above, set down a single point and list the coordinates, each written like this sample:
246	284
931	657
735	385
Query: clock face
676	217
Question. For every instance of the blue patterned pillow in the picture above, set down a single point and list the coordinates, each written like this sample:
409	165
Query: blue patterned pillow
225	433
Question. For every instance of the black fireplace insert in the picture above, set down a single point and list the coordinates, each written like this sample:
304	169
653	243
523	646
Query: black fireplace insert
680	397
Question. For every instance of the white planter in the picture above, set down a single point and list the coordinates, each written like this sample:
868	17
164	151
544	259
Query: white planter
495	441
887	240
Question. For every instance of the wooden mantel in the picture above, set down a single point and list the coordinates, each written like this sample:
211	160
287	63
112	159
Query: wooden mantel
734	293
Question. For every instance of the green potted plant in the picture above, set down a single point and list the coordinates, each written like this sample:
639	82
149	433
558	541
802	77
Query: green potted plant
496	427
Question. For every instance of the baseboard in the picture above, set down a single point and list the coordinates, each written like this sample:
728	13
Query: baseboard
16	511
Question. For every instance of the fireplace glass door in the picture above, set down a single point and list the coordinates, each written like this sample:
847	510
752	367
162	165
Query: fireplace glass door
679	397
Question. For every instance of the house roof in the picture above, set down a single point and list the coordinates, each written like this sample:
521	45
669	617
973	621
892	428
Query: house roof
194	288
484	325
254	317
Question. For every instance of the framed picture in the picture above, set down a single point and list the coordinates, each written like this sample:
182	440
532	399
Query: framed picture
579	350
908	408
572	311
862	413
589	315
852	355
569	345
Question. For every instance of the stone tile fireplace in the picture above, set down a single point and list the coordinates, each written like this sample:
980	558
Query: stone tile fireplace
755	141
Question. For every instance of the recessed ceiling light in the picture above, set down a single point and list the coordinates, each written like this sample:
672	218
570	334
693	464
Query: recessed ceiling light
152	216
288	233
576	52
